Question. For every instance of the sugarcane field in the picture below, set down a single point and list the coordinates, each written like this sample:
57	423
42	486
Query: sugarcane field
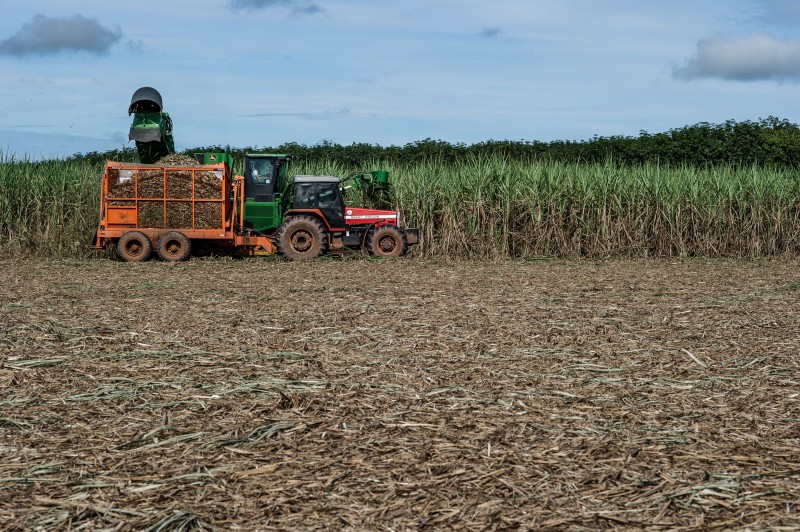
399	266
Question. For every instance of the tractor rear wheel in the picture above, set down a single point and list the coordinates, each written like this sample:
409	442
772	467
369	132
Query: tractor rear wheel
387	241
302	238
174	247
134	246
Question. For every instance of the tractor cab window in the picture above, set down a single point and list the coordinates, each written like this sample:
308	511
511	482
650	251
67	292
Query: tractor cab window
323	196
331	204
260	171
328	194
305	196
259	182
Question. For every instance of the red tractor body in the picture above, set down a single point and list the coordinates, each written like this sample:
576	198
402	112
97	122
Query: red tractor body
359	216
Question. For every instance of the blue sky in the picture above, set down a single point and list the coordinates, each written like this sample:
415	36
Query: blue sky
265	72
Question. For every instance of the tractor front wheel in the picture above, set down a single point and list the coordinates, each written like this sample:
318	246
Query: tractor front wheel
386	241
134	246
302	238
174	247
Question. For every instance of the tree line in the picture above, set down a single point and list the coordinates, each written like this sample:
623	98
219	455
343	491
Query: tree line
771	142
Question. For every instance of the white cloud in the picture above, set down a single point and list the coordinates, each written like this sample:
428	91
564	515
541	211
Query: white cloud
755	57
45	35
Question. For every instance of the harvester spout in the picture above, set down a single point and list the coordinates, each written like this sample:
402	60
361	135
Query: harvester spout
145	99
151	127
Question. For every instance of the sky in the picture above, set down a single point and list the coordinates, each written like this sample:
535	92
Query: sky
266	72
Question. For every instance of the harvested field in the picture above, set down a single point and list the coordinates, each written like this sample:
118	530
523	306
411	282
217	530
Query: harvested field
350	393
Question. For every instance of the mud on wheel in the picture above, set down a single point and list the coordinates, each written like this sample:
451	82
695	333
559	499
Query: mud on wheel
302	238
387	241
174	247
134	246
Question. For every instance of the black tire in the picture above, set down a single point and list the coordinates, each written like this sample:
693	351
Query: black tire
387	241
134	246
302	238
174	247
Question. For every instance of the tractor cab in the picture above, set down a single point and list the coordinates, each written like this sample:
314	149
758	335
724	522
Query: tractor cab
264	182
264	175
321	193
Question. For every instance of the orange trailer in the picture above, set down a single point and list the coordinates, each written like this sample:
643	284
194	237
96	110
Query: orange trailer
166	209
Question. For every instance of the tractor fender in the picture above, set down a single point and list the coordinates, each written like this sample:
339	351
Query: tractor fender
315	213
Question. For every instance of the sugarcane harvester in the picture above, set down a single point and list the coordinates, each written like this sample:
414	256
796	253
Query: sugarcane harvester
148	209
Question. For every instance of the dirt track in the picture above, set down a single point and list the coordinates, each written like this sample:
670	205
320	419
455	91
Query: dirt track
264	394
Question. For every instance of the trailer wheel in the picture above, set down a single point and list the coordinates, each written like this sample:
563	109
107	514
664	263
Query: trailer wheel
302	238
387	241
174	247
134	246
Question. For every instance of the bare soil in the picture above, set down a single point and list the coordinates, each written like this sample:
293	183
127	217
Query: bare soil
399	394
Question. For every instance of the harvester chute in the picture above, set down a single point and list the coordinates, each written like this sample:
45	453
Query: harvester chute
151	127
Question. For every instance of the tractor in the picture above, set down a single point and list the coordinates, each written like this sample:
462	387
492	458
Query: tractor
316	220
